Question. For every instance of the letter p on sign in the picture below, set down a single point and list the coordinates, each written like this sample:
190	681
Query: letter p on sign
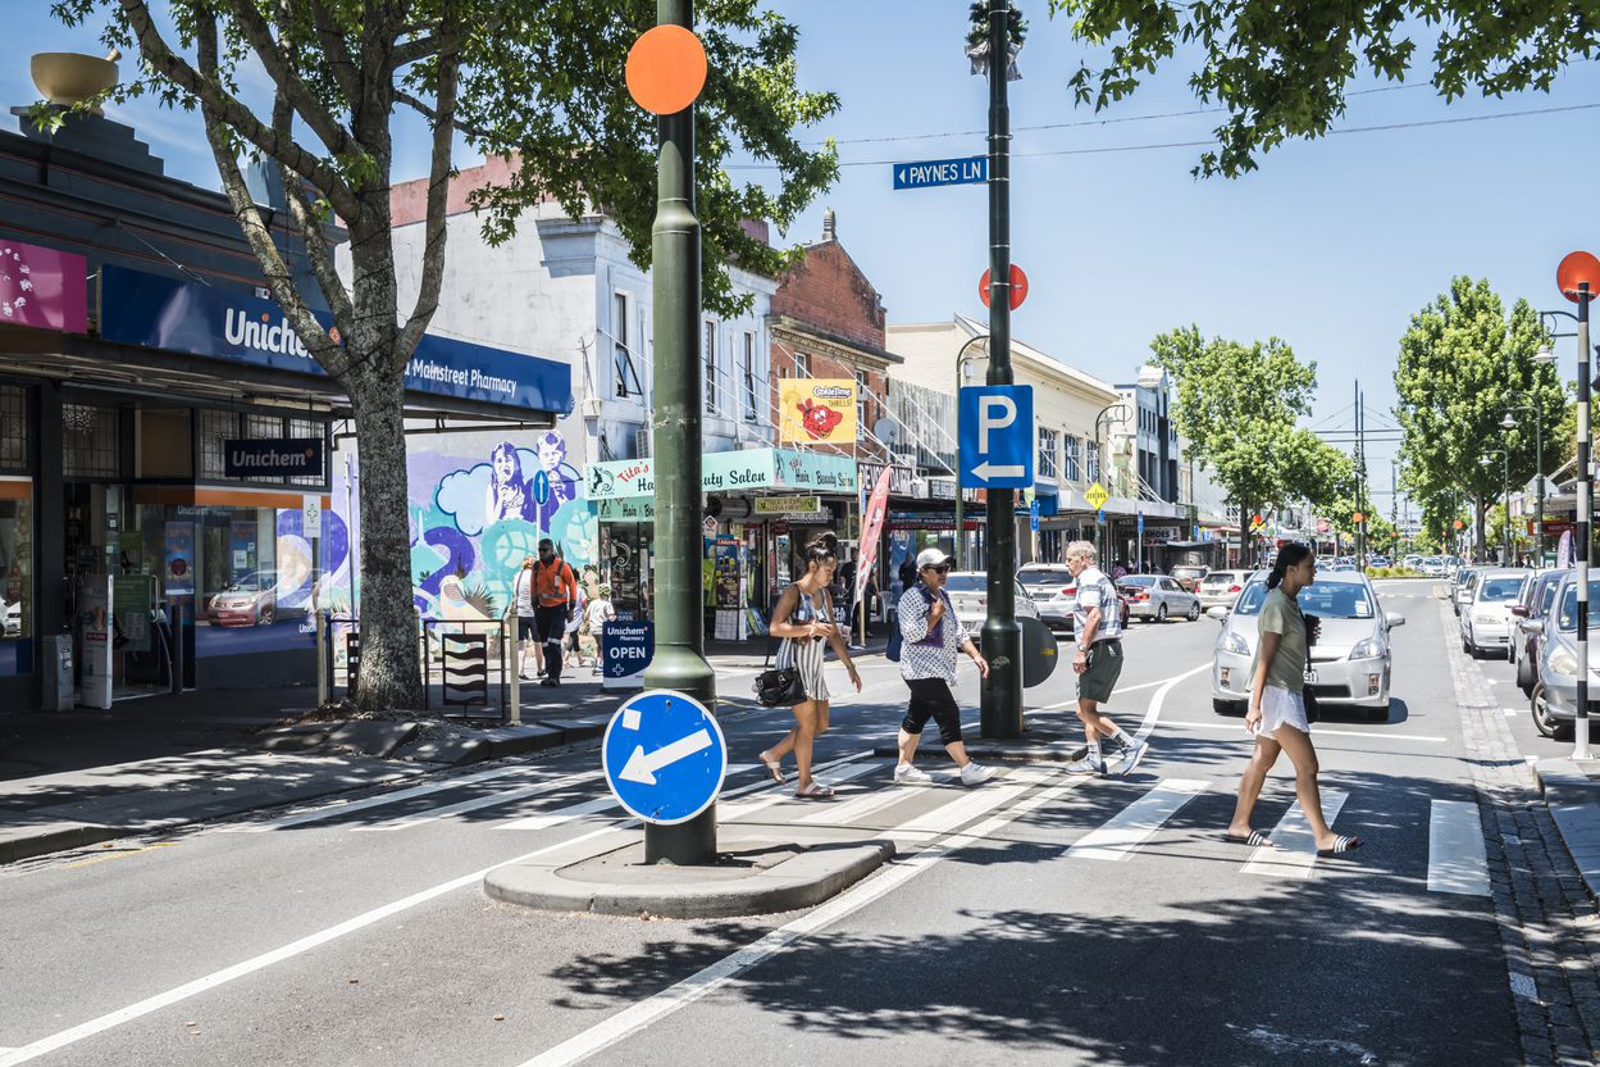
994	413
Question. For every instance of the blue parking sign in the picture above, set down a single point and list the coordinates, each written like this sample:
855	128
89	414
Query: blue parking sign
664	757
996	436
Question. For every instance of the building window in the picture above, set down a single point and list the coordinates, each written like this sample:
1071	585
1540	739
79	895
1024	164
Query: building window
1093	450
863	403
16	560
1047	453
802	365
623	363
1072	460
750	377
13	427
302	429
89	437
216	427
709	341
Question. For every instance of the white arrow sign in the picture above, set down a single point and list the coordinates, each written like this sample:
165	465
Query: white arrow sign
987	470
642	768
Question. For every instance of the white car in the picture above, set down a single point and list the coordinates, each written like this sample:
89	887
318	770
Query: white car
1157	598
1054	591
1222	588
969	593
1486	618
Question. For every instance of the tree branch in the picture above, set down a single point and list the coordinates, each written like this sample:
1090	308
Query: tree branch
287	79
318	252
280	281
231	111
416	49
337	49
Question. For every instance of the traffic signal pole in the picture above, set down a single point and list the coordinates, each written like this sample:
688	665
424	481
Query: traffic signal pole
1001	715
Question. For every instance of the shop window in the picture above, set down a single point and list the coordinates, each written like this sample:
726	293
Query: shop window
304	429
863	403
13	427
624	364
1093	450
16	560
216	427
750	377
89	440
1072	470
1047	453
709	341
264	428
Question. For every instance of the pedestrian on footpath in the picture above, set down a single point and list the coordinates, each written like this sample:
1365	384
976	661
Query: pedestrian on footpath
555	591
804	620
1277	715
527	623
599	612
931	633
1097	661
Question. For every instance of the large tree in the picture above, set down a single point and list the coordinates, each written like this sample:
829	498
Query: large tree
1464	362
1280	70
1238	406
530	80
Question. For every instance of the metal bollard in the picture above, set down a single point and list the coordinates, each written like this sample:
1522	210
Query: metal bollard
323	695
512	655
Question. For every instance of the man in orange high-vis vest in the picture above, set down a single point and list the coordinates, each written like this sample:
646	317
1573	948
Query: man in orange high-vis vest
555	595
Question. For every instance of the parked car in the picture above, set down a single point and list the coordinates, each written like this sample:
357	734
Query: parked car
1555	693
1380	561
969	594
251	600
1486	615
1433	567
1222	588
1054	591
1189	576
1533	605
1466	578
1350	662
11	618
1158	597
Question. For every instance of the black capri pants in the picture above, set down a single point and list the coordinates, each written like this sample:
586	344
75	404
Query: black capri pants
931	698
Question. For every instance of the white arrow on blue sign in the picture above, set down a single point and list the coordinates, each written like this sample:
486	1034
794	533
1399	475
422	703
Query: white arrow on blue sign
935	172
664	757
996	436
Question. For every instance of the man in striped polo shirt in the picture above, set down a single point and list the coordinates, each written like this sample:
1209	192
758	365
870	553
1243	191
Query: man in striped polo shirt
1097	660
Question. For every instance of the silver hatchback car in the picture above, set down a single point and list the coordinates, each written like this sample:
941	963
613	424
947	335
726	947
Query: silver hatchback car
1350	662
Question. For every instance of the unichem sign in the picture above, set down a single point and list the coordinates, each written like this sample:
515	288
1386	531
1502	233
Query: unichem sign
155	312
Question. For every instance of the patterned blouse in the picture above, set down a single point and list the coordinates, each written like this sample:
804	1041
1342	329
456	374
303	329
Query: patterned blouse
928	661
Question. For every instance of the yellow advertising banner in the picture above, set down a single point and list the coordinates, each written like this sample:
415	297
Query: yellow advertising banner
817	411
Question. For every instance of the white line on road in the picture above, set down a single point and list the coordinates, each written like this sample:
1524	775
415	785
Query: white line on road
859	807
1293	851
1124	832
1320	730
333	811
546	819
1456	859
1153	713
1121	689
947	817
405	822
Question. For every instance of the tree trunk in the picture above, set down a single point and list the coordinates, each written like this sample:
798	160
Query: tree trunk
1480	517
391	671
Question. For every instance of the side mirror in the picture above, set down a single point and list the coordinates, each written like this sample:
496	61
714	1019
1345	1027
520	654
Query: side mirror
1394	618
1218	612
1519	610
1530	626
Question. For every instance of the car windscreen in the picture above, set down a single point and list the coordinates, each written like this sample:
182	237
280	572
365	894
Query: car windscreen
1500	590
966	583
251	583
1333	600
1567	617
1044	579
1138	581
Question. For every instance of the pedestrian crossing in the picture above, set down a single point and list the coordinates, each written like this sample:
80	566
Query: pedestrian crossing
1119	821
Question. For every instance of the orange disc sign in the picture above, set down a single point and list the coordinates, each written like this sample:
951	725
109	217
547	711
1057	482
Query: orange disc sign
666	70
1019	287
1576	268
1360	518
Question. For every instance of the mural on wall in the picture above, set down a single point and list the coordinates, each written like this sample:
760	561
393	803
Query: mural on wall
474	519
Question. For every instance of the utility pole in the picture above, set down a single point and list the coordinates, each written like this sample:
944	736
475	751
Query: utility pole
679	663
1585	554
1001	715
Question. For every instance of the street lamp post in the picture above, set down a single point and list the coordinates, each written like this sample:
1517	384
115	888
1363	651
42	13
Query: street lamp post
1100	420
1505	497
961	381
1510	423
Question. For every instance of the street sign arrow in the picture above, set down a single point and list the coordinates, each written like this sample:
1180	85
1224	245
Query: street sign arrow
642	768
989	471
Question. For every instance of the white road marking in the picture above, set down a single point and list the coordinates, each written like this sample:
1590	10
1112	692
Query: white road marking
405	822
334	811
707	980
947	817
1456	859
1129	828
842	814
779	794
546	819
1512	713
1293	851
1125	689
1152	714
1319	730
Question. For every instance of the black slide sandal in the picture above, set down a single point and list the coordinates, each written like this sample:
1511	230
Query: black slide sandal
1340	847
1256	838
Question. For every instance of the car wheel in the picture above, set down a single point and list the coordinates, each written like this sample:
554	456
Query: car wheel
1194	612
1161	613
1525	678
1228	707
1543	721
266	616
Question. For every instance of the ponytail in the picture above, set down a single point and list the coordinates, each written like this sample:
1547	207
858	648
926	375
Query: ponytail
1291	555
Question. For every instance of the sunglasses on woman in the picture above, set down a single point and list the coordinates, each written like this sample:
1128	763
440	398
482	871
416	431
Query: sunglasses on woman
941	568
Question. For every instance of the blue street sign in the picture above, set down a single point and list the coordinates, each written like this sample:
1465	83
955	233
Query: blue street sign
626	648
1141	524
934	172
664	757
996	436
541	487
1100	517
1033	516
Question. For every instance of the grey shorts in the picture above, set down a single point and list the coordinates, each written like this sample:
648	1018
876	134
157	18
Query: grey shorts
1104	668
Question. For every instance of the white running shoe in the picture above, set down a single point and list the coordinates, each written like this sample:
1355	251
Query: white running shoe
1132	754
909	774
976	774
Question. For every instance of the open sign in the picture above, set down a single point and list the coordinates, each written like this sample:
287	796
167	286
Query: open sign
626	649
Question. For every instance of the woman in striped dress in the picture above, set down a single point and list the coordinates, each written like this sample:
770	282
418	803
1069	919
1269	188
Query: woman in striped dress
803	619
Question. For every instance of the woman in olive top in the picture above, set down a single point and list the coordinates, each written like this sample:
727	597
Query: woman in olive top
1277	716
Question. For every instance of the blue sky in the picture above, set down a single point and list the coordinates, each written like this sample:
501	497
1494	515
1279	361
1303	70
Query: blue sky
1331	245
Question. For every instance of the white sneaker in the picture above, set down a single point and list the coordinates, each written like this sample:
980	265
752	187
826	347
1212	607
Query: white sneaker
909	774
976	774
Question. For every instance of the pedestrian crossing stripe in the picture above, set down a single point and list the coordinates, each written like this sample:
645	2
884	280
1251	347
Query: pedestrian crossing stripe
1293	851
1135	824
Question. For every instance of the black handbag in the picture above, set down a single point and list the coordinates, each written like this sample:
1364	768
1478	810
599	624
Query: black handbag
778	687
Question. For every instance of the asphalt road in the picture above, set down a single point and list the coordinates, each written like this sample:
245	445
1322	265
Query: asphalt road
1046	918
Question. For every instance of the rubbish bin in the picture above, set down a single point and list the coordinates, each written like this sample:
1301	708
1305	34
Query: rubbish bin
57	671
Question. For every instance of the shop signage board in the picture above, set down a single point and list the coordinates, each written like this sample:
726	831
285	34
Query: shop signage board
272	459
722	472
627	509
43	288
903	482
626	649
813	470
664	757
156	312
817	411
788	505
95	606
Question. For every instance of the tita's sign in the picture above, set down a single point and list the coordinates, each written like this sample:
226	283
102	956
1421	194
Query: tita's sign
272	459
155	312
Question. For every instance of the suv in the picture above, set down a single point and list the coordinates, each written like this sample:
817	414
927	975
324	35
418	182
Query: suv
1054	591
1222	588
1189	575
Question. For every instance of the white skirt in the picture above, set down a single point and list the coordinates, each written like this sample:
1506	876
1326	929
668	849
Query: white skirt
1280	707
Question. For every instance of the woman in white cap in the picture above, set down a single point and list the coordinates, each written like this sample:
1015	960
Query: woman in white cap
932	633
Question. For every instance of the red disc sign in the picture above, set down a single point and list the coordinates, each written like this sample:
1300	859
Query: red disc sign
1576	268
666	70
1019	287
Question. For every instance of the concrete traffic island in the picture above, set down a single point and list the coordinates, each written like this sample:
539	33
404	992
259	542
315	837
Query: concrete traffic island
760	871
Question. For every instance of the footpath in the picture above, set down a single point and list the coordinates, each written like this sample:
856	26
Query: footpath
74	779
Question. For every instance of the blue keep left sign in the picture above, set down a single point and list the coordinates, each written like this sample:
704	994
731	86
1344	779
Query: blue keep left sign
664	757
